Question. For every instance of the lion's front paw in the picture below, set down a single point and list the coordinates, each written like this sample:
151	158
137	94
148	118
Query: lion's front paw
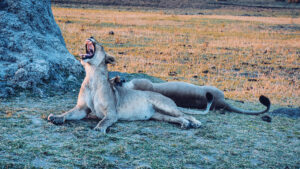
56	119
101	129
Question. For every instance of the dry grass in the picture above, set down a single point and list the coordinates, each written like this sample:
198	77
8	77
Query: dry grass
244	56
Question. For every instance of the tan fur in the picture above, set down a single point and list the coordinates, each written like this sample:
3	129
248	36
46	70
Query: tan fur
192	96
112	103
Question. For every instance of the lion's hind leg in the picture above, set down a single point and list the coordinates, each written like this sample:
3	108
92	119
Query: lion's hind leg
173	111
167	107
179	120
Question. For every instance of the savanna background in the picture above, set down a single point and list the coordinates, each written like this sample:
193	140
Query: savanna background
245	48
245	52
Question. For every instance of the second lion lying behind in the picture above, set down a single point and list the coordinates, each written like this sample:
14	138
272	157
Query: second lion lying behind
191	96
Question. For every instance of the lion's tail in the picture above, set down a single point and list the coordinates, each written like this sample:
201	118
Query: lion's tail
262	99
209	98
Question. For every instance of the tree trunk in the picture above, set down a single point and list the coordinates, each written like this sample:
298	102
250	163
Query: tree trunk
33	53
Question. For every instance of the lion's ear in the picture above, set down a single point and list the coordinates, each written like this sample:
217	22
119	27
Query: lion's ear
109	59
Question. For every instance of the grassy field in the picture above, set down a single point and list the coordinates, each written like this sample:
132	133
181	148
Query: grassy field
245	56
231	140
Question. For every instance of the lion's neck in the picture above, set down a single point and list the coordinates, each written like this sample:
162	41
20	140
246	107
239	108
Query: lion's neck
99	72
96	76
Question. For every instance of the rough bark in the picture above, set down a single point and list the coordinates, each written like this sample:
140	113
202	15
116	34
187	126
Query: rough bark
33	53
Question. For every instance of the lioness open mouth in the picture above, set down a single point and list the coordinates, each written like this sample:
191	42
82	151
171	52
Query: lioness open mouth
89	49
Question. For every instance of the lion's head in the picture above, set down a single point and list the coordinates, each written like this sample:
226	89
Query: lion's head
95	54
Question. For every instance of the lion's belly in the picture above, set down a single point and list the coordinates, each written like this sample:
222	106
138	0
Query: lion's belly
138	109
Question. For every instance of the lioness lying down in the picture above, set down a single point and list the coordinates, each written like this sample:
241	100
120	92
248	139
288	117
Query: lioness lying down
192	96
112	103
